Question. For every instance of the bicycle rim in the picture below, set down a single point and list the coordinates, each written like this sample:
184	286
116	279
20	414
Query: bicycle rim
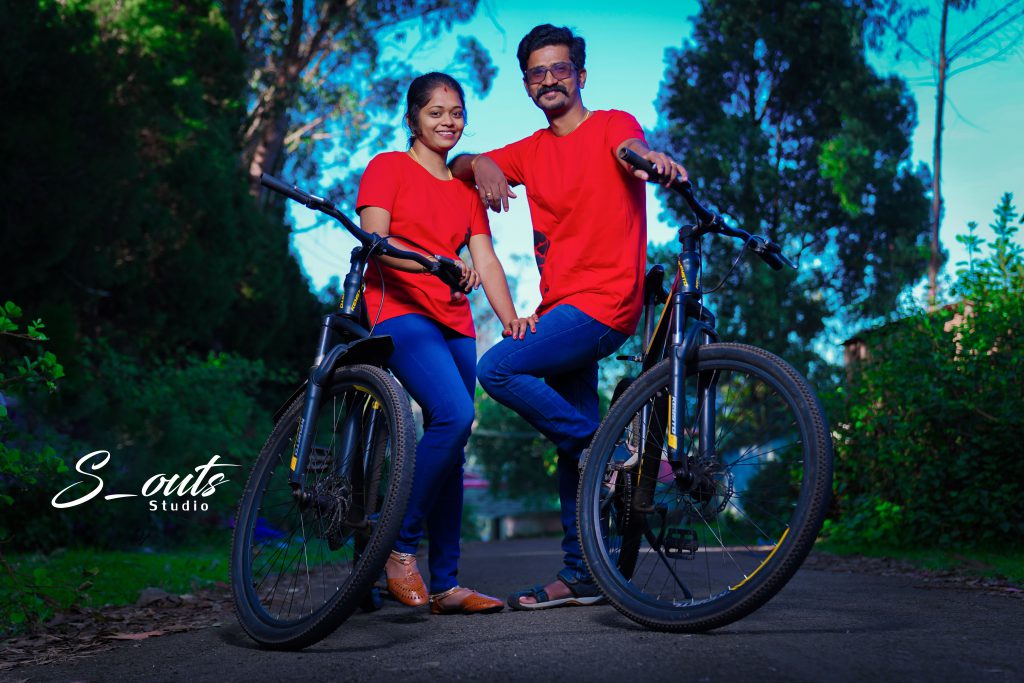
696	557
301	567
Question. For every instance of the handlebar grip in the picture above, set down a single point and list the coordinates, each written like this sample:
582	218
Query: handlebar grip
289	191
450	273
772	260
637	161
770	252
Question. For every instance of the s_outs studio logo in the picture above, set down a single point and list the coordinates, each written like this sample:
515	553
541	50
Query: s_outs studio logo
166	493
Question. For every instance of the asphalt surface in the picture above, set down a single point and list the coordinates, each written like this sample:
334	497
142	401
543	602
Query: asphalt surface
824	626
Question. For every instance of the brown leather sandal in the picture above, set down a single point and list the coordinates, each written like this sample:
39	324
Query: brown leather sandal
404	580
459	600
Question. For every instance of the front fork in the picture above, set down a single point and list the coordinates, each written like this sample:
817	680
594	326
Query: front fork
327	350
691	327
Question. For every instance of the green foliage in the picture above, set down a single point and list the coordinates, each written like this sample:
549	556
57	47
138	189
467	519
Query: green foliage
933	419
37	586
25	459
161	417
800	140
517	460
127	191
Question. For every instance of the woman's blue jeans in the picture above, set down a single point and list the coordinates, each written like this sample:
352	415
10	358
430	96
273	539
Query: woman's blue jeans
550	378
437	367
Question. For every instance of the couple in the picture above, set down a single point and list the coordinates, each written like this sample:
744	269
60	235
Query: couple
589	222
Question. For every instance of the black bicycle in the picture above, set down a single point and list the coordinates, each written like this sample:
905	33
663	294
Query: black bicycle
326	496
707	483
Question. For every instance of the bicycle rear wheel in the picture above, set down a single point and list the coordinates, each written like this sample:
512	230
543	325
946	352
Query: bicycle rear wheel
300	567
690	558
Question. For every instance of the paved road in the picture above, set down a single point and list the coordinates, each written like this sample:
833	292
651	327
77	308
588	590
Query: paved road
825	626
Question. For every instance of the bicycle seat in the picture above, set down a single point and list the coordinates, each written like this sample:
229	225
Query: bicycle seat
654	287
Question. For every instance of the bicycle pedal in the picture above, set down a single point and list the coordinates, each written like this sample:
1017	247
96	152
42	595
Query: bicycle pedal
624	457
681	544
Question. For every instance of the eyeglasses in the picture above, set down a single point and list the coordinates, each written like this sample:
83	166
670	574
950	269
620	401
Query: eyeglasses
560	70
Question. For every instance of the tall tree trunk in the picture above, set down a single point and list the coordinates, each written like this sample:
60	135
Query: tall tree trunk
940	105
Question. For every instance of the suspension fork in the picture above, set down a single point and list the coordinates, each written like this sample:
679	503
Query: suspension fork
325	349
685	304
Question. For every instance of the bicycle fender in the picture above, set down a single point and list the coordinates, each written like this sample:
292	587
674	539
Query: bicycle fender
369	351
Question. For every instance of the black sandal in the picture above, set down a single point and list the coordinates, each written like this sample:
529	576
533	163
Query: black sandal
582	594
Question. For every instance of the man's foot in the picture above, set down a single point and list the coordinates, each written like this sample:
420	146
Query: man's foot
567	591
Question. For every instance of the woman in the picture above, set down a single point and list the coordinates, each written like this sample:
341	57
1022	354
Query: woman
412	197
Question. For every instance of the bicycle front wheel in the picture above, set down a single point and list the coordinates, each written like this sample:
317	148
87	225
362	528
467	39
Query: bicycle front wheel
693	553
300	565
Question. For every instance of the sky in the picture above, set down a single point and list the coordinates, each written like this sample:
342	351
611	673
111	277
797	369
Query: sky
626	43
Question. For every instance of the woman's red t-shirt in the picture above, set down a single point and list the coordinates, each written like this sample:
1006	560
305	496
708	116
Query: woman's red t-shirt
437	215
589	217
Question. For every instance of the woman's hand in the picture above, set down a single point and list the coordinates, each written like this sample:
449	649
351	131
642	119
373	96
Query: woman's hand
470	280
516	328
491	184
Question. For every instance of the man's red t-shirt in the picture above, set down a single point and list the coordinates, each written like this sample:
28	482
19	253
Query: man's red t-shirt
589	217
438	216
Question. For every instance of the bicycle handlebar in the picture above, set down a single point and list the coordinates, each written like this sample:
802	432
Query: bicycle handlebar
446	269
769	251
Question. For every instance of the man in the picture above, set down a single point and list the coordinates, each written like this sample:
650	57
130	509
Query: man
590	238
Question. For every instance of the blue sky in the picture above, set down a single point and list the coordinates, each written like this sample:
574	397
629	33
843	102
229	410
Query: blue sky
626	42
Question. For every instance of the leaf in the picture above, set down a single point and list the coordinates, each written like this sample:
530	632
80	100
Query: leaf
135	636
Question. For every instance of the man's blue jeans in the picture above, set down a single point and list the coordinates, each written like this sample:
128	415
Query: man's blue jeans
550	378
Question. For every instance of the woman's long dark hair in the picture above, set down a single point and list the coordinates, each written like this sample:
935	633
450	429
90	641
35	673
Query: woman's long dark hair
419	94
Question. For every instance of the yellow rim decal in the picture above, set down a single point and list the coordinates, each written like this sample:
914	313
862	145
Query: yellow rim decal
376	405
295	461
763	563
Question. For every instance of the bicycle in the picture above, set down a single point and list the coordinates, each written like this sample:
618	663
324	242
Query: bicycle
322	507
706	484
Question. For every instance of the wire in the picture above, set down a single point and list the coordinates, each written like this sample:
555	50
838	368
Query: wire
380	274
731	268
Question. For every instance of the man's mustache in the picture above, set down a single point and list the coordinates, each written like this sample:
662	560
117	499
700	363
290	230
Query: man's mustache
552	88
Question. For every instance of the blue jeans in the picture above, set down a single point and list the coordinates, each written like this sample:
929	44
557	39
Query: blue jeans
437	367
550	378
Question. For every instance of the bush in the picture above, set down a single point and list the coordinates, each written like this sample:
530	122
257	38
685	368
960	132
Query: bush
26	456
160	416
928	447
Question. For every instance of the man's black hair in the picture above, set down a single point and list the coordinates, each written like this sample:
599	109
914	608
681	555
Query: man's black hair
545	35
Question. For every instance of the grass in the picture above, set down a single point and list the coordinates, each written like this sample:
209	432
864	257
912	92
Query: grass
35	586
1000	562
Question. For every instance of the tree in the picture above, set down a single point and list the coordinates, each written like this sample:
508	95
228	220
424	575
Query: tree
128	215
799	139
996	34
316	72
